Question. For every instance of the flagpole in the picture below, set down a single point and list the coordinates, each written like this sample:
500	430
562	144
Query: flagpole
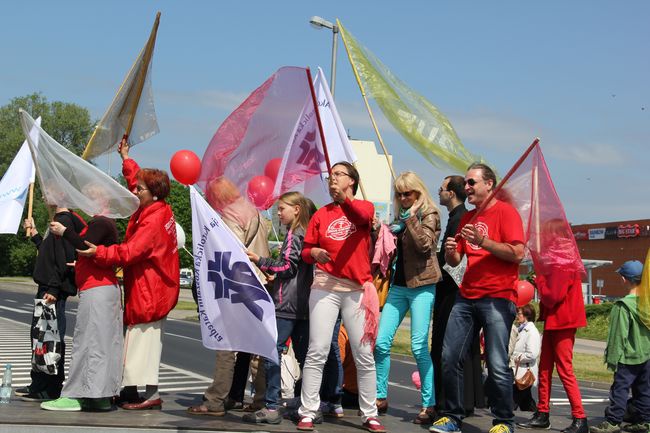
496	190
30	205
141	76
365	99
320	125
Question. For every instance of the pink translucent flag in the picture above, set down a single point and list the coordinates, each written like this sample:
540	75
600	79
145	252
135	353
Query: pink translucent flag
270	143
550	241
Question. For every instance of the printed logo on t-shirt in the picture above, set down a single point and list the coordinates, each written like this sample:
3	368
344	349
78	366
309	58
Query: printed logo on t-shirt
340	229
483	231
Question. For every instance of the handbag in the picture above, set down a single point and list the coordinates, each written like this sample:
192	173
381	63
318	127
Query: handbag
525	381
382	283
46	343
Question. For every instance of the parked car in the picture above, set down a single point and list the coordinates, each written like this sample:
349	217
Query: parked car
186	278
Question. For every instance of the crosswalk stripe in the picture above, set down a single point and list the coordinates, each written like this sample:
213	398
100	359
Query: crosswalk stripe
16	349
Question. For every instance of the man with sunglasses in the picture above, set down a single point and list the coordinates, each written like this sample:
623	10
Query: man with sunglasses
493	242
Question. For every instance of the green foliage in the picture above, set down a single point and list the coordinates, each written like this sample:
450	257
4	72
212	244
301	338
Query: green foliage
67	123
599	310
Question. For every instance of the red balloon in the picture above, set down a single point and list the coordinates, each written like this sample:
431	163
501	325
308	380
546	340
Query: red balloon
273	168
525	292
186	167
260	189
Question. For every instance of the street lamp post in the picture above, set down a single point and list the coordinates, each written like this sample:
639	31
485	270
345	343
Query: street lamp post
319	23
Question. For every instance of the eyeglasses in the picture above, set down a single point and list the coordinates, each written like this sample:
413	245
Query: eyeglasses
140	188
404	194
441	190
471	182
336	175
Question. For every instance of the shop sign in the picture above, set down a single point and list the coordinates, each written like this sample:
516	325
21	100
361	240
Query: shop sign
596	234
581	235
628	231
611	232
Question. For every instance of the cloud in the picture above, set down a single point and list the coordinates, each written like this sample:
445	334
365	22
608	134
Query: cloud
510	133
598	154
212	98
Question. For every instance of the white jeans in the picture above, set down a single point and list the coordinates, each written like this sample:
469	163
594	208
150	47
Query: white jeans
324	307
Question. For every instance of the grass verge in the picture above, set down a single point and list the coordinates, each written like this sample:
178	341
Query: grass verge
586	367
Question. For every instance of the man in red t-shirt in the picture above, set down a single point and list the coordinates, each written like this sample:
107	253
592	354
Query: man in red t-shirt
493	242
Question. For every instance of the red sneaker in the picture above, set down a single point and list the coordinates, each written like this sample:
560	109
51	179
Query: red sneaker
306	423
373	425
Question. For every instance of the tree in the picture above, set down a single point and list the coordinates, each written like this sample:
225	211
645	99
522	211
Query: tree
70	125
179	199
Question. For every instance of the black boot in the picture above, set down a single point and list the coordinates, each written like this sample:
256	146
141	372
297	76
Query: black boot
539	420
579	425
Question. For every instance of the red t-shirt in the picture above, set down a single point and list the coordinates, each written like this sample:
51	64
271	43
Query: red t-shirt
487	275
344	231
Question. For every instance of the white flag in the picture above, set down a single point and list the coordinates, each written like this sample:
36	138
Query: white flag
336	138
113	125
235	311
15	184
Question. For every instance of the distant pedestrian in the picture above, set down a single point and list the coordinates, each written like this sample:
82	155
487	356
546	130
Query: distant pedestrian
628	355
525	356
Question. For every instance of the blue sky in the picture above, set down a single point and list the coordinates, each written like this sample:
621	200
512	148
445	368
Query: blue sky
576	74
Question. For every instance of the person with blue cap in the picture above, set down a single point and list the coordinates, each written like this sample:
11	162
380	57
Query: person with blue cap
628	355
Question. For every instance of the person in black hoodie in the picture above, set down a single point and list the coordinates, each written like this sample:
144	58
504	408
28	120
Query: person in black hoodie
54	274
291	288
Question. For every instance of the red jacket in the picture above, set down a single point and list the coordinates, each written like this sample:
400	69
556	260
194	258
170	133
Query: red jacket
561	304
149	256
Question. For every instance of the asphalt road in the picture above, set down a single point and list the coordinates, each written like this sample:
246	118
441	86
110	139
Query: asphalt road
189	366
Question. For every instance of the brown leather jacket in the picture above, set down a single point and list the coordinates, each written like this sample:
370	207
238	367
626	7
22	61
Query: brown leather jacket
419	244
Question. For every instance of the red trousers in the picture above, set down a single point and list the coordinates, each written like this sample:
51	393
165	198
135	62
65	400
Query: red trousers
557	350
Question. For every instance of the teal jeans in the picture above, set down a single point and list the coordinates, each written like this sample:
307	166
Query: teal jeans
399	301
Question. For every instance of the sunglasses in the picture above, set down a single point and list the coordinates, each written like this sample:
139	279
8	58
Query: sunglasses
404	194
471	182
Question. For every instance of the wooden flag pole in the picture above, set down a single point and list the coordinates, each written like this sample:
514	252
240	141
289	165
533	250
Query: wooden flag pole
496	190
365	99
148	52
30	206
322	133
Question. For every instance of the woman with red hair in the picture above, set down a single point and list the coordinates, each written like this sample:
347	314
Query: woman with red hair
149	257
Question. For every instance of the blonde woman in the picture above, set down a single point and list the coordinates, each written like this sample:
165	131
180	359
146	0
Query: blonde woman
417	228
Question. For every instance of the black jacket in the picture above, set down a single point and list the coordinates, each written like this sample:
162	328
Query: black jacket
51	270
293	278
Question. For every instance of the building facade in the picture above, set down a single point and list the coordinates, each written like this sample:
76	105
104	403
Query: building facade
617	241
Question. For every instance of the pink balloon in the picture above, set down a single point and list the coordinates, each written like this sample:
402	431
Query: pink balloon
260	189
273	168
525	292
185	167
415	378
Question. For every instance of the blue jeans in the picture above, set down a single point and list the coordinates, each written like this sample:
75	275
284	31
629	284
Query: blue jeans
495	316
298	330
420	302
627	376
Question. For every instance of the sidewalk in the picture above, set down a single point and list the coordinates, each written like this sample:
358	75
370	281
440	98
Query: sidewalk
23	417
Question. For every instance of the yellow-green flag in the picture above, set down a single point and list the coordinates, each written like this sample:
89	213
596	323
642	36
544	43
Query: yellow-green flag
419	121
644	292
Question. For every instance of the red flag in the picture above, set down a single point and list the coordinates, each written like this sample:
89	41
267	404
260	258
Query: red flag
549	238
271	142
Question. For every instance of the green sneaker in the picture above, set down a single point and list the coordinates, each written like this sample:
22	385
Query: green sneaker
97	404
605	427
637	427
63	404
